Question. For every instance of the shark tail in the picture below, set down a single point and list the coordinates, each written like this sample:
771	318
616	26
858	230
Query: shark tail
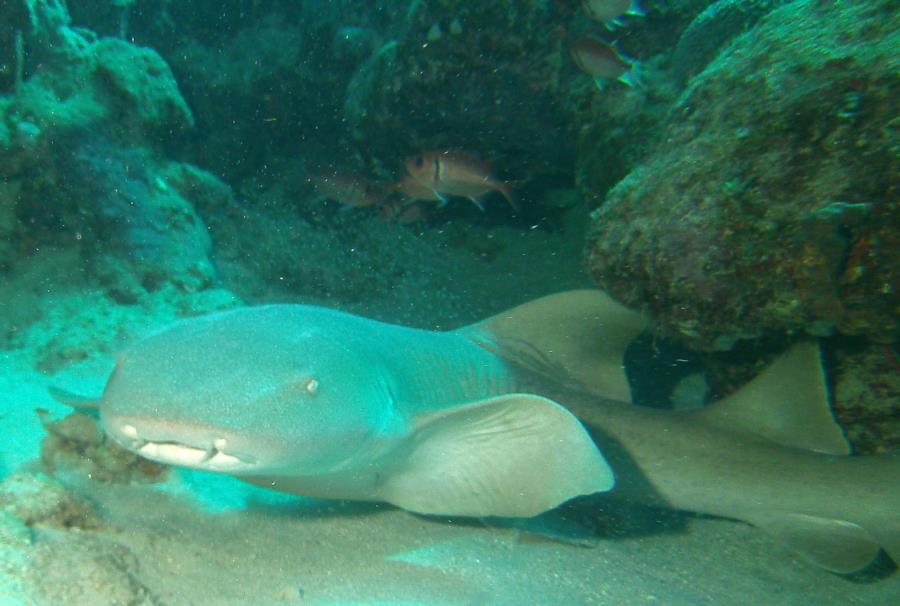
576	337
788	403
854	541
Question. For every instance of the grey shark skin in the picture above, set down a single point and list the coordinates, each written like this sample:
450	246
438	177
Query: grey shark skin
769	455
326	404
321	403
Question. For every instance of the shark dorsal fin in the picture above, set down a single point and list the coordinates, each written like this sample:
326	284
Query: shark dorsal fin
578	335
787	403
515	455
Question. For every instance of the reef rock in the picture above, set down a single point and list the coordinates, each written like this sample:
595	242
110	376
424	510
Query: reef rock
39	499
479	76
81	130
75	442
713	28
68	79
84	569
867	395
771	204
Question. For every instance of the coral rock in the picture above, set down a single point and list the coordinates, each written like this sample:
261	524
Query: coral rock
771	205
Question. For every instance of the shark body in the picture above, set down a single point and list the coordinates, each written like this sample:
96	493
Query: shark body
761	457
322	403
325	404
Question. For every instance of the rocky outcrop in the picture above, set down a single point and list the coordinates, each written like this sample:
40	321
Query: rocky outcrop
771	205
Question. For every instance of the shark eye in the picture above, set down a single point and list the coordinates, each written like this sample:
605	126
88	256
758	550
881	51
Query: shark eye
419	161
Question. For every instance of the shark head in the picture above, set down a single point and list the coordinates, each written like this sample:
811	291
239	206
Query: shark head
249	392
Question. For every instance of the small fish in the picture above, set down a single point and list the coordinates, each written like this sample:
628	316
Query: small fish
349	188
411	189
404	213
448	173
603	62
608	12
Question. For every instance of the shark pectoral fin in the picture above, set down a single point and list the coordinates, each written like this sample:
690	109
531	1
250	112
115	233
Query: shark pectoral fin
511	456
836	545
81	403
579	335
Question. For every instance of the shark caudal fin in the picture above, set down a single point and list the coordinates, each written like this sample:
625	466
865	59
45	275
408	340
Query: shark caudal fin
835	545
786	403
579	336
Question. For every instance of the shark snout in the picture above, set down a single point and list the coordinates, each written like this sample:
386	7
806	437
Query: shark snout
176	444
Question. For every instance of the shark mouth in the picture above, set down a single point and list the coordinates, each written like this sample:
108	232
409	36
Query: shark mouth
212	457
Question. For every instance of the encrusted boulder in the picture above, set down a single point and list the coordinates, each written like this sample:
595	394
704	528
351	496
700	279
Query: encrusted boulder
75	442
39	499
771	205
480	76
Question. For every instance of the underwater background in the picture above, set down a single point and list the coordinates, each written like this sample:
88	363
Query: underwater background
729	168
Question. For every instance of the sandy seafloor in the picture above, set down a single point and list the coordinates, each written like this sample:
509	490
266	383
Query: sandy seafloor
202	539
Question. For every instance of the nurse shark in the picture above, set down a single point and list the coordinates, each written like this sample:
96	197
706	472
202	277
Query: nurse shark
321	403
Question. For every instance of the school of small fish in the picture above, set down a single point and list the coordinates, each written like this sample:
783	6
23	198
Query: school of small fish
433	177
601	60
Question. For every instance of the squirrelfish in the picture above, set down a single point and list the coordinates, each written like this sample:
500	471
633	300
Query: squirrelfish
411	189
348	188
403	212
609	11
603	62
447	173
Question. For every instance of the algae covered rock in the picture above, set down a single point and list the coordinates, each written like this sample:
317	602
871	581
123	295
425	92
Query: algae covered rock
705	36
867	395
84	569
137	234
68	79
771	205
81	136
478	76
137	84
73	329
76	442
39	499
51	554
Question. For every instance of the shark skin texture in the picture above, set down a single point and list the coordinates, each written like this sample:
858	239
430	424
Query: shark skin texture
321	403
317	402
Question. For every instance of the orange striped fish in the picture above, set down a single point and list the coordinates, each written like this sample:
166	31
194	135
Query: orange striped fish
447	173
